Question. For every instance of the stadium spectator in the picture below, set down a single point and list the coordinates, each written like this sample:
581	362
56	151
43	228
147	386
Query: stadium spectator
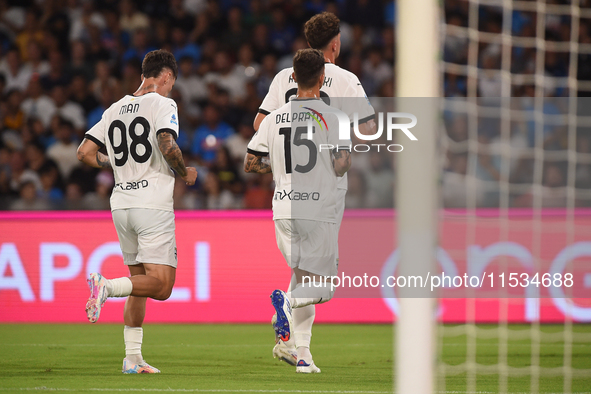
38	105
13	116
192	87
51	185
16	76
19	173
210	135
130	18
181	46
69	110
35	63
32	31
216	197
29	201
140	45
99	199
238	141
81	96
224	78
246	67
282	33
63	150
184	197
103	78
78	64
57	75
235	34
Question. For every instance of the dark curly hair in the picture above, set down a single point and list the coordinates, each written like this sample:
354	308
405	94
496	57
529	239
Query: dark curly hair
321	29
156	61
308	64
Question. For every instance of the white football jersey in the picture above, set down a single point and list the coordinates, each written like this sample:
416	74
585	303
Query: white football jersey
338	84
305	181
128	130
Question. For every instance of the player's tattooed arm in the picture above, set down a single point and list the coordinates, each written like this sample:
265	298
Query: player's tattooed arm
341	161
171	152
259	164
174	157
103	160
88	153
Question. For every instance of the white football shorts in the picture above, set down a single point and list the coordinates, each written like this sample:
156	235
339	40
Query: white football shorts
146	236
309	245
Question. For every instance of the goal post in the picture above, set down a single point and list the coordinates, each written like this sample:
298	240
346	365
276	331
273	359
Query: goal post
417	76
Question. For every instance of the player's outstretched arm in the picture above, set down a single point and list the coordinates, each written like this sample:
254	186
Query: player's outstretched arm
174	157
259	164
341	161
88	153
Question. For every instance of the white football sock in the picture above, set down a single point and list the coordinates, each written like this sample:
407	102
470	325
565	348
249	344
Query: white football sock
133	344
304	354
119	287
303	296
303	318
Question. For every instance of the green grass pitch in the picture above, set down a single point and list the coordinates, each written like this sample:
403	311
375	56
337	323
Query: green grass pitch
237	358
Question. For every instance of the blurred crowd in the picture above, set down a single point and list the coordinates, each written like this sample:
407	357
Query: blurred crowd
522	163
63	62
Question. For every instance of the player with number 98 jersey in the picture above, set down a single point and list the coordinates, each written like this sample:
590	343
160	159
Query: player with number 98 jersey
128	130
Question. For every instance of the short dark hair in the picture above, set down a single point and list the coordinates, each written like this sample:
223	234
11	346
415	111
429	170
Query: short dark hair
308	64
321	29
158	60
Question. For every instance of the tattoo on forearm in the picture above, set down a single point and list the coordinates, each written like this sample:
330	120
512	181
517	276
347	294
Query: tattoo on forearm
257	164
103	160
344	158
172	153
342	154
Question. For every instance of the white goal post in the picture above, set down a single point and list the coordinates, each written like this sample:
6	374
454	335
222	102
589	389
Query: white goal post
417	75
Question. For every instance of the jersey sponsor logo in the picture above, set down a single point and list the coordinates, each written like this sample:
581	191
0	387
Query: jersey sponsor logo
293	195
173	120
132	185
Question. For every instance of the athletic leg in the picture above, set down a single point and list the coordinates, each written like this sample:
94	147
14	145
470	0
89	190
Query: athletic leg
133	316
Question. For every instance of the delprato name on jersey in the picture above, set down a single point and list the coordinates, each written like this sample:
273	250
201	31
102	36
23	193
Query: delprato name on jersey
305	181
128	130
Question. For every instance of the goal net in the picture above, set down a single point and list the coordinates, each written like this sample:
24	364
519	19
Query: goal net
515	193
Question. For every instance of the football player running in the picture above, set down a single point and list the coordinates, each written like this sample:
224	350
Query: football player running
299	143
139	133
340	89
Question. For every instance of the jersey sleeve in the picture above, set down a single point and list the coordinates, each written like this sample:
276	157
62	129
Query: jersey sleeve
167	118
357	101
273	99
97	133
259	144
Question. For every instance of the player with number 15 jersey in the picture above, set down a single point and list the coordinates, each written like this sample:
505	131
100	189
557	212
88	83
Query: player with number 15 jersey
341	88
143	178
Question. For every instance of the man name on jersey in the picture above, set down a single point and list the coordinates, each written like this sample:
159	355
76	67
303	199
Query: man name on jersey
129	109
